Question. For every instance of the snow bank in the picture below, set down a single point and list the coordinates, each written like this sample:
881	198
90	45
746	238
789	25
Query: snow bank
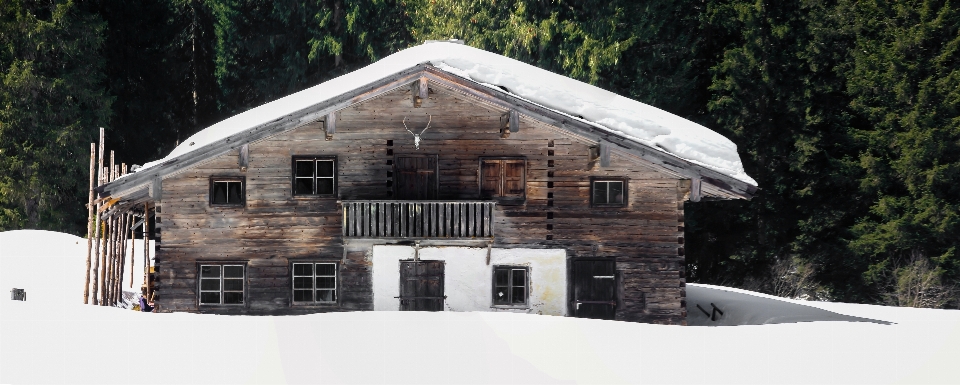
71	343
606	110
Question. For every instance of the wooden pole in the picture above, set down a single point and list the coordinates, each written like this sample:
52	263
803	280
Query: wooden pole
133	249
108	295
146	246
90	211
123	254
97	225
103	260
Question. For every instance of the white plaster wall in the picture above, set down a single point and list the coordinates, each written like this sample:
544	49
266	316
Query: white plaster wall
468	280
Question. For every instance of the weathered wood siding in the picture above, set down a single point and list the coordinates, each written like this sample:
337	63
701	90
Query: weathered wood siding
274	228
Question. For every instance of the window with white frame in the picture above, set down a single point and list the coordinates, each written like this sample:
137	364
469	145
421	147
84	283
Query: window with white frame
315	176
315	282
221	284
510	286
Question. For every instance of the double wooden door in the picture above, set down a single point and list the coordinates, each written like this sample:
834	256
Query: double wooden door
595	289
416	177
421	285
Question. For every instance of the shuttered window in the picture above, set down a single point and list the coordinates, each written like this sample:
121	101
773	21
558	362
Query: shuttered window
503	179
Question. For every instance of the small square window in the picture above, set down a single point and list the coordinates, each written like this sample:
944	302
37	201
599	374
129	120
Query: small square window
314	176
221	284
605	192
314	283
510	286
226	191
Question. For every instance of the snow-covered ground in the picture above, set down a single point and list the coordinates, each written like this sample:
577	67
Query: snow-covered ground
53	338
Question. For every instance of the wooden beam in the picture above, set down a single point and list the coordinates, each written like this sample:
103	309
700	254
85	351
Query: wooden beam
156	189
330	124
420	91
604	153
243	159
514	121
695	193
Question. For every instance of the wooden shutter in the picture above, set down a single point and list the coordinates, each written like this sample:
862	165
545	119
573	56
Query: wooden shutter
490	174
514	171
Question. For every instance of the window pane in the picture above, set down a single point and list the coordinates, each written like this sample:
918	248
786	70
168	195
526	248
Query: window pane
325	168
303	283
303	295
326	269
326	283
600	192
209	284
325	186
616	192
302	269
500	296
303	186
219	192
232	298
233	271
518	295
234	192
500	277
210	297
305	168
232	284
326	295
519	277
210	271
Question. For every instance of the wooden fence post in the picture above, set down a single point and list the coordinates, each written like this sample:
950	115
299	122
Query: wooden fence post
90	211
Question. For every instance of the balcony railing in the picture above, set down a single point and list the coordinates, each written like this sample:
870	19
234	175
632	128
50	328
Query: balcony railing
418	219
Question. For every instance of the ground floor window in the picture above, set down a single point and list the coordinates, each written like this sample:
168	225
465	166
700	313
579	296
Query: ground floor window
221	284
314	282
510	285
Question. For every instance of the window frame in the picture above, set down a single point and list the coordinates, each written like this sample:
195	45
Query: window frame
510	286
221	265
228	178
501	199
314	302
593	184
336	176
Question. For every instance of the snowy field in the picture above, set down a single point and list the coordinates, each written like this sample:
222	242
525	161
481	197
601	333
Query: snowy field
53	338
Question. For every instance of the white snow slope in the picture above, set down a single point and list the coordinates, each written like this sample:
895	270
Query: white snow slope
53	338
630	118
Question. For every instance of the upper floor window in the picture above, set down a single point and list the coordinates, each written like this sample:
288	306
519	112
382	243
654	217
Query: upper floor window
315	176
227	191
608	192
503	179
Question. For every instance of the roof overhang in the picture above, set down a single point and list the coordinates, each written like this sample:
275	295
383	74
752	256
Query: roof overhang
144	185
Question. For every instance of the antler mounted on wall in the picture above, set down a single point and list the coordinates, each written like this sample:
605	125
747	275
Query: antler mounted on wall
416	137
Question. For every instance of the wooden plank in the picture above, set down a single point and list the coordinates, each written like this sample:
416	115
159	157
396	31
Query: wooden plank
243	158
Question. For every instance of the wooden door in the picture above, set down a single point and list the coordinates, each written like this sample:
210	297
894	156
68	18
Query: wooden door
595	289
416	177
421	285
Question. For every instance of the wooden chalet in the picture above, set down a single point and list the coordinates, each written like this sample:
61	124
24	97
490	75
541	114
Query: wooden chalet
421	190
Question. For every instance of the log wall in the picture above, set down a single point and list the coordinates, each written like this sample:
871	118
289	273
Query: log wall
274	228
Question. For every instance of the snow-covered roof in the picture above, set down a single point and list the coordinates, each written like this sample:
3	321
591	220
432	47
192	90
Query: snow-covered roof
611	112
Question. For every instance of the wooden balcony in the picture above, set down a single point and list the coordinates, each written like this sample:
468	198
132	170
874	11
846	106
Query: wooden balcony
418	219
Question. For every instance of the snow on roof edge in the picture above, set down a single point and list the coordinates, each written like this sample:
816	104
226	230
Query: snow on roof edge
616	114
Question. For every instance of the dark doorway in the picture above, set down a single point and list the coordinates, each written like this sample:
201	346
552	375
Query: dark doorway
416	177
595	289
421	285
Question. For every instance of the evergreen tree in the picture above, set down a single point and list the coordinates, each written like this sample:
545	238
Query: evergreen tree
51	103
904	78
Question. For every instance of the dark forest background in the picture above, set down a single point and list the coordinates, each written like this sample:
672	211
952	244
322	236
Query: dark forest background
846	112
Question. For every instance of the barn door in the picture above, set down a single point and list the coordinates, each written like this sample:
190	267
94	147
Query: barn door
595	289
421	285
416	177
